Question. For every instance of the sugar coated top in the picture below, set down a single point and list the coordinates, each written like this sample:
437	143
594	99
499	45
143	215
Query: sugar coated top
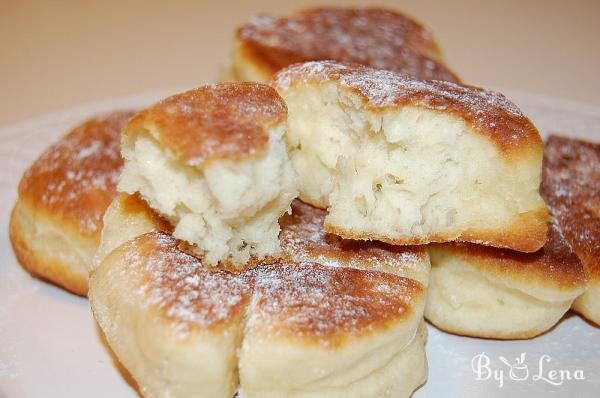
216	121
487	112
375	37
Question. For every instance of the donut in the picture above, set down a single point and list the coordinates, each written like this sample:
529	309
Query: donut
375	37
571	186
56	222
481	291
328	318
405	161
213	162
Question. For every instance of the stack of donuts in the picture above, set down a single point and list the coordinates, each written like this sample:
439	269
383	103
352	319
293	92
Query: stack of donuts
286	231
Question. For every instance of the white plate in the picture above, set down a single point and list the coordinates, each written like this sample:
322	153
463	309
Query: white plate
50	345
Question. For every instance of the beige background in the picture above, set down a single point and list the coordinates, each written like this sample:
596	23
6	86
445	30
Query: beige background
58	54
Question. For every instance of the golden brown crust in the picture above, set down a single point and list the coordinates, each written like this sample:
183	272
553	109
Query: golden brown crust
526	234
555	264
68	189
44	265
488	113
135	204
571	187
219	121
388	26
184	292
378	38
303	239
76	178
306	300
319	303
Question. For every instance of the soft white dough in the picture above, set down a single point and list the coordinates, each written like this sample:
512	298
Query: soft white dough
404	372
404	173
228	209
464	299
381	362
386	363
164	363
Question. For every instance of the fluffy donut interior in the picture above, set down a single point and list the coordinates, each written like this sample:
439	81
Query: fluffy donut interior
465	300
406	172
228	208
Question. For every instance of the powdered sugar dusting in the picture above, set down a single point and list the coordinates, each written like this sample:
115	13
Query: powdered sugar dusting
303	239
76	178
571	187
488	112
302	299
186	292
315	301
374	37
216	121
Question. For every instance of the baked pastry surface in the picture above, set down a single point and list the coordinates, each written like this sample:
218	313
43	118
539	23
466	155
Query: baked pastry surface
55	224
495	293
378	38
303	238
412	162
214	163
571	187
349	326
